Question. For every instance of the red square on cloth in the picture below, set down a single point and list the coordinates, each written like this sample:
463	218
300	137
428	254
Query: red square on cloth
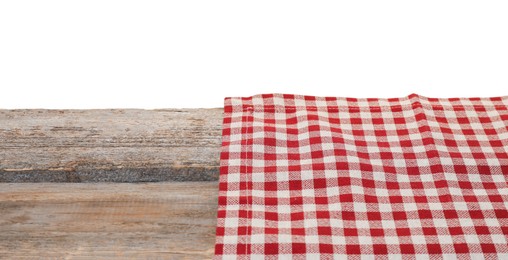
330	178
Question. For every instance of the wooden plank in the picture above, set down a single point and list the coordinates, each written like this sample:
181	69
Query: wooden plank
110	145
165	220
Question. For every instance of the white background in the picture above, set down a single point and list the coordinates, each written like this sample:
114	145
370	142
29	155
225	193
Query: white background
161	54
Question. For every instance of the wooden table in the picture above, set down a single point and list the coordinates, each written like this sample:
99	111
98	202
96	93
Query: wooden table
98	184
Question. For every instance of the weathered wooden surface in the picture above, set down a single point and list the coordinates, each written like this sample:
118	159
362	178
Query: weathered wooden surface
109	145
165	220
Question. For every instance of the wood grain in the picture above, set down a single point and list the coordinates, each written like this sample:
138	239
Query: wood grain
110	145
164	220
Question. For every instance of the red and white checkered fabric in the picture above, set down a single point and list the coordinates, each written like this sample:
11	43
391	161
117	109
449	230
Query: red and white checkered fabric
307	177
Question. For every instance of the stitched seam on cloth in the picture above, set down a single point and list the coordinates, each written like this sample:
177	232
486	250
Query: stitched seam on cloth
246	154
367	103
249	178
291	109
224	150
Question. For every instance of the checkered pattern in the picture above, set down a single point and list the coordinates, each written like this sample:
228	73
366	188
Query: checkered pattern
307	177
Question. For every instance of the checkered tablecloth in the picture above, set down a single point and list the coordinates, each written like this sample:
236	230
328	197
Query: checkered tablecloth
306	177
